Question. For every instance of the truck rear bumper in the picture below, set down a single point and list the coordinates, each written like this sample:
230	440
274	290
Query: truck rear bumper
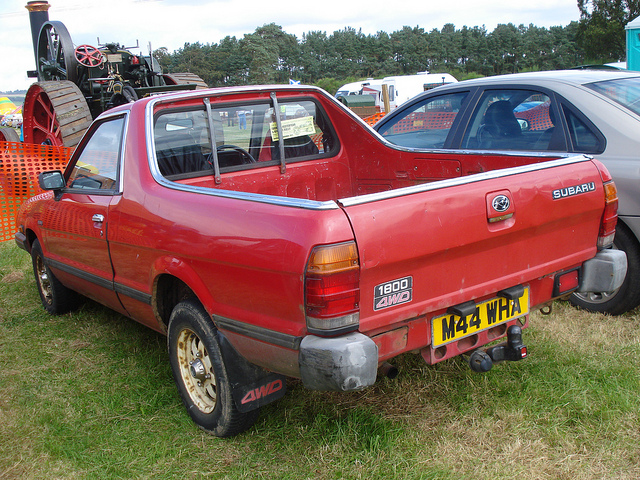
348	362
605	272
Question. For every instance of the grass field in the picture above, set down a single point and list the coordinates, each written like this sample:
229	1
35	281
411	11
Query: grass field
89	395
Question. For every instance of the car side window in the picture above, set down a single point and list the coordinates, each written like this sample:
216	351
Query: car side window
513	120
96	167
426	124
583	138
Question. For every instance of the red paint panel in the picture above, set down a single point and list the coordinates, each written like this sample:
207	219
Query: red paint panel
444	240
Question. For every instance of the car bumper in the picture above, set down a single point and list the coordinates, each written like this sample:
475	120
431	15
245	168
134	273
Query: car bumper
348	362
21	240
605	272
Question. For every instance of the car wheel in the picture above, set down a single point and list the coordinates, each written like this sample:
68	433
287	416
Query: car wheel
625	298
200	374
56	298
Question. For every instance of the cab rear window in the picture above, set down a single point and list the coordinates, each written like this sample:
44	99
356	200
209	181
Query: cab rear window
244	136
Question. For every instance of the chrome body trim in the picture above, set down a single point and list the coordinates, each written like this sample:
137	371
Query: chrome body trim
452	182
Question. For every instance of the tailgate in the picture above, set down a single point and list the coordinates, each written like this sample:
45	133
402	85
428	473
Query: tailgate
425	248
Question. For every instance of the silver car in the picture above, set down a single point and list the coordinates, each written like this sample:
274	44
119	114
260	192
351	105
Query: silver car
596	112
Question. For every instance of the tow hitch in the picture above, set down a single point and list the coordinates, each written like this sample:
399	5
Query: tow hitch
511	350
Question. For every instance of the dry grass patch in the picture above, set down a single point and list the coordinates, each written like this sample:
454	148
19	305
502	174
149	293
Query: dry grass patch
589	332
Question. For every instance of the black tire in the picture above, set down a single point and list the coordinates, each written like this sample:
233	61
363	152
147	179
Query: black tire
625	298
55	297
200	374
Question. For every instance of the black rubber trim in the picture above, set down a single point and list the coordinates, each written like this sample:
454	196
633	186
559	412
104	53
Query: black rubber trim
101	282
258	333
89	277
133	293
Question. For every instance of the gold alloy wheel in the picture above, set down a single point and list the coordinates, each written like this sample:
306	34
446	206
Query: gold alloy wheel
196	371
44	282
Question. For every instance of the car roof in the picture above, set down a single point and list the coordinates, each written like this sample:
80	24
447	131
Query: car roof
571	77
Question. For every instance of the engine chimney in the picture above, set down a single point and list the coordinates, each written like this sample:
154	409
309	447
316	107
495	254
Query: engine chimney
38	15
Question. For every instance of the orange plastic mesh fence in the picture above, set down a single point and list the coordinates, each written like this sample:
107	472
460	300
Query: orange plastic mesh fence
372	119
425	121
20	165
538	117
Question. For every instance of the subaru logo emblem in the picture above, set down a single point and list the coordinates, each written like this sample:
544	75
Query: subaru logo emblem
501	203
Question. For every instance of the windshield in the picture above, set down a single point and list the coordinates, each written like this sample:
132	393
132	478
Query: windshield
625	91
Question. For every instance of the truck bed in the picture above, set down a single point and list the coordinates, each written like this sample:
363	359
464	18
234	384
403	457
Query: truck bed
344	177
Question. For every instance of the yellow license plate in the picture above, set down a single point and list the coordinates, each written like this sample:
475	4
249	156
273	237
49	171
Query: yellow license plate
448	328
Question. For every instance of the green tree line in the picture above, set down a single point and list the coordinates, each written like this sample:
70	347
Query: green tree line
271	55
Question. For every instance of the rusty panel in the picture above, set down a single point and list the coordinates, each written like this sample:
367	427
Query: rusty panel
20	165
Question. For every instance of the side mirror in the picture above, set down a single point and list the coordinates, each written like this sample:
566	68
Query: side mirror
51	180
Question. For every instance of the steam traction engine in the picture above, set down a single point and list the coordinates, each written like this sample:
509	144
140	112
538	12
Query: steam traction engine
76	84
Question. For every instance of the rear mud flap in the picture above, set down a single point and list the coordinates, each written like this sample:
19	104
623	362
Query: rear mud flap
251	386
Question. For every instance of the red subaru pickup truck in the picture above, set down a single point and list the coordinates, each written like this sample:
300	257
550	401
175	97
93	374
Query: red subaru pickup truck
270	233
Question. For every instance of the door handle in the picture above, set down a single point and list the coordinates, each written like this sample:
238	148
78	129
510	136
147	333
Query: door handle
98	218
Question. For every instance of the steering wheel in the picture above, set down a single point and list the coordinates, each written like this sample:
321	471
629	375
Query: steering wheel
89	56
240	150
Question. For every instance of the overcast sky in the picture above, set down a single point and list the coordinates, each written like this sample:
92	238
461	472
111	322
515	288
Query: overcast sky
172	23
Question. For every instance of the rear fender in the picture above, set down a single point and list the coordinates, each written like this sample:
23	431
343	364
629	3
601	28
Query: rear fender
180	269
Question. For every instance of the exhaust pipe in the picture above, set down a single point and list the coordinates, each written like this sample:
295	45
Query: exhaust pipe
38	15
388	370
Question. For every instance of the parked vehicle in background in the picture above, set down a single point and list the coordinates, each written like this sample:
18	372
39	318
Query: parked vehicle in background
404	87
302	244
400	88
596	112
356	88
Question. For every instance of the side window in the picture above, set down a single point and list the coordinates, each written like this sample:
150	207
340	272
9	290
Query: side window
97	166
426	124
182	141
513	120
245	136
583	138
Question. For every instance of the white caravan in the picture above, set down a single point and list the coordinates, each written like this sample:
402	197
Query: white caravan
403	87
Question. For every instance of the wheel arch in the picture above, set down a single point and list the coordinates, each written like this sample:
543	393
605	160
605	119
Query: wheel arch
31	237
632	224
175	281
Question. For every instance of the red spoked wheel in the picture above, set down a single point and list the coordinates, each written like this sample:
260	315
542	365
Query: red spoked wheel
55	113
89	56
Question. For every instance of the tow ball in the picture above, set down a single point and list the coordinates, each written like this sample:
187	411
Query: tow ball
511	350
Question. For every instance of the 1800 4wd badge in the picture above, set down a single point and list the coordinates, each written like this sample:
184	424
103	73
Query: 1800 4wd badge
395	292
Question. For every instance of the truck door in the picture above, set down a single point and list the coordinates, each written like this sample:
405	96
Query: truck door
75	225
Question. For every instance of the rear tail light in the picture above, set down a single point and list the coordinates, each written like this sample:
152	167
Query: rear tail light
610	216
332	289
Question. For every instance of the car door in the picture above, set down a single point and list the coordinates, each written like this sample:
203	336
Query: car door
74	228
514	118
